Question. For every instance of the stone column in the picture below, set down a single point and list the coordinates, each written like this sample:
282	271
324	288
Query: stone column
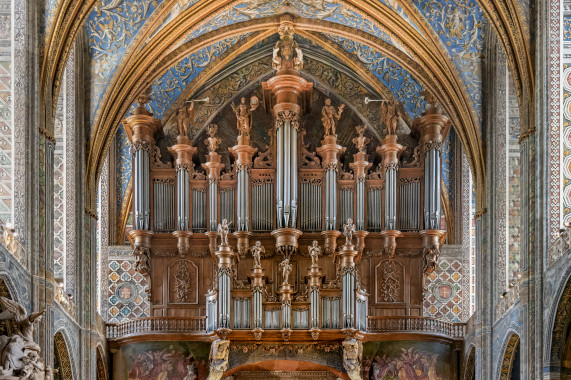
183	152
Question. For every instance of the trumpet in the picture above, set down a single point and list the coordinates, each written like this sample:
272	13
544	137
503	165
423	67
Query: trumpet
368	100
206	100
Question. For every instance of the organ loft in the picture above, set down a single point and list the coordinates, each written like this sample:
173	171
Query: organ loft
321	242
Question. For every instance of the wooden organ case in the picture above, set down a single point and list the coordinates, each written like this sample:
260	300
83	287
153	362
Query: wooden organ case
284	242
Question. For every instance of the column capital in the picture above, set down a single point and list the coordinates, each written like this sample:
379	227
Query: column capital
330	151
432	126
213	166
142	127
243	154
390	151
183	152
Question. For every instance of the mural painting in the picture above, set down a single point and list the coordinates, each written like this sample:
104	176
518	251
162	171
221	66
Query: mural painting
165	361
407	361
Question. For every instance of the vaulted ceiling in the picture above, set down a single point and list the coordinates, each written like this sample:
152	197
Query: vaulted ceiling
183	49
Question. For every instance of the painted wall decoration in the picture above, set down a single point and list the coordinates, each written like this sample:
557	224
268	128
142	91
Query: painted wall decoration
459	26
444	298
407	360
163	361
566	146
566	28
398	80
126	296
448	164
5	137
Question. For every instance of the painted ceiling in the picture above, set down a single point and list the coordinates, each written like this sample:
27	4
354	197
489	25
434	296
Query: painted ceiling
118	28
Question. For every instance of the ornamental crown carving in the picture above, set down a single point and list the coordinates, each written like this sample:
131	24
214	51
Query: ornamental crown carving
287	55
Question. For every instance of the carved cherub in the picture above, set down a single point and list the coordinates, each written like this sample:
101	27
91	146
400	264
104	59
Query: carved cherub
314	252
390	115
348	231
257	251
329	116
223	230
286	268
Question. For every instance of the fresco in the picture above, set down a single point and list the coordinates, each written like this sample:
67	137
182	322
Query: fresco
407	360
164	361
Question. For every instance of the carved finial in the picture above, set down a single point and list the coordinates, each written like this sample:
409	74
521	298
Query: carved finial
143	98
212	142
361	141
430	99
286	54
329	116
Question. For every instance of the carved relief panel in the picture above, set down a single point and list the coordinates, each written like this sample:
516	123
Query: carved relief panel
183	283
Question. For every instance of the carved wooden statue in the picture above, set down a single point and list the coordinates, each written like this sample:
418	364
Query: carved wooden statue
348	231
244	115
257	251
390	115
286	268
20	355
314	252
352	355
223	230
185	115
329	116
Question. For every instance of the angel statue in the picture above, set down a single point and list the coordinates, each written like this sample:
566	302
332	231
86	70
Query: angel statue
348	231
314	252
244	115
223	229
185	115
286	268
257	251
19	353
390	115
329	116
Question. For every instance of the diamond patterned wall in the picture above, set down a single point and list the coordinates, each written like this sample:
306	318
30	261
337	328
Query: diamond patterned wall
444	298
127	298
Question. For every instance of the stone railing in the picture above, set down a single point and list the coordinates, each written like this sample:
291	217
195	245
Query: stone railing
416	324
142	326
65	301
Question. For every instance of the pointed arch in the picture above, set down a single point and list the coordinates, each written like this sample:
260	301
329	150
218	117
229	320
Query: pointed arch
469	372
62	361
510	353
102	368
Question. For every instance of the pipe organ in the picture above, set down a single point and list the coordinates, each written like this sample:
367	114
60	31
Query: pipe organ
260	241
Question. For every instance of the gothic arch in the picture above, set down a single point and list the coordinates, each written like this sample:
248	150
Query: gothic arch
510	351
469	372
62	361
102	369
560	322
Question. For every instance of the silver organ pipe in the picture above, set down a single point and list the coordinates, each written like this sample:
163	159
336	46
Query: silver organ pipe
310	202
432	180
409	199
199	209
390	199
262	209
287	124
374	202
163	205
346	203
227	205
213	205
